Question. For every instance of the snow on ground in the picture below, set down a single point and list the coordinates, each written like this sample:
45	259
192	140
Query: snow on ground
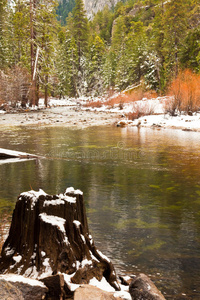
82	113
184	122
19	278
156	118
58	102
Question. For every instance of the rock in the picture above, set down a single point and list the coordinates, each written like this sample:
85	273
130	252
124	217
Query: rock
142	288
30	288
90	292
9	291
55	285
50	235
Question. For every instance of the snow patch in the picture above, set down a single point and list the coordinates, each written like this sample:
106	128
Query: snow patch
31	272
122	294
86	262
53	220
67	198
103	256
33	195
103	284
71	286
53	202
77	223
19	278
83	238
43	253
9	251
71	190
17	258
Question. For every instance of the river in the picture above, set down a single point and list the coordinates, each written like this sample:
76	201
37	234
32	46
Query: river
141	189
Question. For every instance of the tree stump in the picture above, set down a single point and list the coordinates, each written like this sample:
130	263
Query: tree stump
50	235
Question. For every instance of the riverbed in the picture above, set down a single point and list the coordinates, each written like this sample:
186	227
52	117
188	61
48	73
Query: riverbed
141	189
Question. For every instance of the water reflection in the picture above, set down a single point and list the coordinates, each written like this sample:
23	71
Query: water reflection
142	192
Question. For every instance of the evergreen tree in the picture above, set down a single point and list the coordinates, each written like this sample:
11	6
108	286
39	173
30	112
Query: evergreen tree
67	67
96	62
63	10
190	52
2	35
80	30
176	18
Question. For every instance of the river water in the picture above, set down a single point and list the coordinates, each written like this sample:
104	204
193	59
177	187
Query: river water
141	189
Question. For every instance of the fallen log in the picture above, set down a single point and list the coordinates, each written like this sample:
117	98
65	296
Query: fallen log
49	235
6	153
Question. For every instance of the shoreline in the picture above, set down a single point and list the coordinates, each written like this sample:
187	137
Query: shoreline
78	116
69	116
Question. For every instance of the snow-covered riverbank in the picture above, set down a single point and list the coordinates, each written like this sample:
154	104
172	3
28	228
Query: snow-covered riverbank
71	112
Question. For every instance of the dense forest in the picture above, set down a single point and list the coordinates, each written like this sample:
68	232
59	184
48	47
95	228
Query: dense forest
143	42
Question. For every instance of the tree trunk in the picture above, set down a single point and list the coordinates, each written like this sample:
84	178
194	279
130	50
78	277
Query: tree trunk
48	235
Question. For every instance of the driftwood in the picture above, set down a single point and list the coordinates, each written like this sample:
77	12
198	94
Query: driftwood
50	235
5	154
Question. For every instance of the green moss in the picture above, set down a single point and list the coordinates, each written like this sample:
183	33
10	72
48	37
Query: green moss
109	208
157	187
139	224
91	210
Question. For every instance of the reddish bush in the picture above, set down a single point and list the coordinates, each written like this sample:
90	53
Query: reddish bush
94	104
141	109
124	97
185	90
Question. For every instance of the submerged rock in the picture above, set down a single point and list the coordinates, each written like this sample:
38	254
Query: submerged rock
142	288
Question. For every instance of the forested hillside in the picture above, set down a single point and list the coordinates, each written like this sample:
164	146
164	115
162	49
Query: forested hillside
143	43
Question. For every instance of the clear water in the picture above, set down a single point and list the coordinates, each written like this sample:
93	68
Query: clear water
141	190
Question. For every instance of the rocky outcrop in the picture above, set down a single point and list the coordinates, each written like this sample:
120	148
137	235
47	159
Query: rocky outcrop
142	287
9	291
25	287
56	287
93	6
90	292
49	235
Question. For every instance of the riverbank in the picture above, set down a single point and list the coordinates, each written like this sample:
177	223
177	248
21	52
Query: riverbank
59	116
84	113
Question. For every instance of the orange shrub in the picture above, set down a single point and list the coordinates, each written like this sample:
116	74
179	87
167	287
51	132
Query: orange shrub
124	97
94	104
185	90
141	109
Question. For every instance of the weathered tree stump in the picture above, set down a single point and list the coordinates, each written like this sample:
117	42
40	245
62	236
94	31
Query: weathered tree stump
49	235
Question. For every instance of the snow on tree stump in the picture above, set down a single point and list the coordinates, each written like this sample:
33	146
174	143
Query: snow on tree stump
49	235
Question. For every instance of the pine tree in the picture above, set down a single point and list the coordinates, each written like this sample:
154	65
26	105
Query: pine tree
95	67
2	27
175	28
80	30
46	30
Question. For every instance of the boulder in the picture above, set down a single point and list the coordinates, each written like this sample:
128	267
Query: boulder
90	292
9	291
142	288
55	285
29	288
